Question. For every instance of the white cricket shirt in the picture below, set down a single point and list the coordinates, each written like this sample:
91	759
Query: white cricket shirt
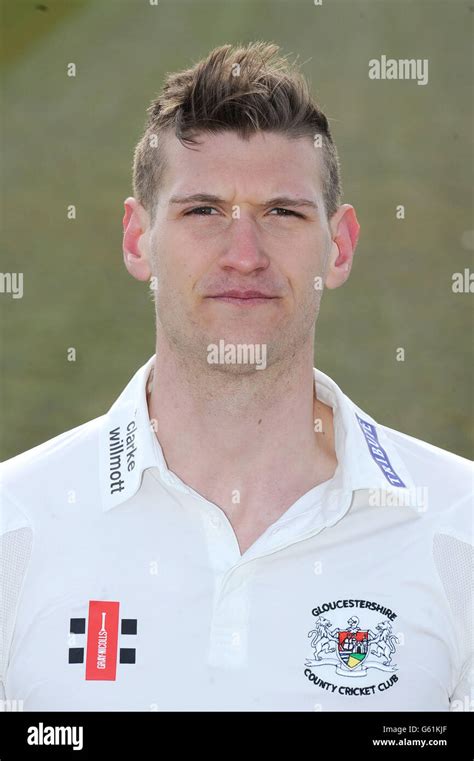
124	589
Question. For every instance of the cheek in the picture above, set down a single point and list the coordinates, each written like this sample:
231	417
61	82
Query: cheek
306	276
176	274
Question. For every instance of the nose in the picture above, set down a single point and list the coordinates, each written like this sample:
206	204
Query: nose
243	249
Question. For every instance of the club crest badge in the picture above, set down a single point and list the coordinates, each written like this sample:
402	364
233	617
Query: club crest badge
351	649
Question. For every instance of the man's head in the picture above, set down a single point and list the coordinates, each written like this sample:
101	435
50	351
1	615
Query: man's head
237	189
244	90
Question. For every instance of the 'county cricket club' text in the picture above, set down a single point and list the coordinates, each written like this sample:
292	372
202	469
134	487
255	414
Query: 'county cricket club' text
118	450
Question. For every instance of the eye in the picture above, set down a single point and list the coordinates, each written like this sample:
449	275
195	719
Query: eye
200	211
287	212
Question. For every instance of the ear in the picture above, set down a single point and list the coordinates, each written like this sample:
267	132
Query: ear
136	229
345	234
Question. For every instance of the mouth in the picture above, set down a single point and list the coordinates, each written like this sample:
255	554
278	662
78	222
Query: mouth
243	298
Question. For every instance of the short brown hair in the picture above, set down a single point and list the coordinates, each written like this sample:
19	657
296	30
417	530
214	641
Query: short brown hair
243	89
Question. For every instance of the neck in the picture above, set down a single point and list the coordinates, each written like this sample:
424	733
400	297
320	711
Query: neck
221	432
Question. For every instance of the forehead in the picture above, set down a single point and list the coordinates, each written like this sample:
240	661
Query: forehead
266	163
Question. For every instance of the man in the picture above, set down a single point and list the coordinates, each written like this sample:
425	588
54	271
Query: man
235	533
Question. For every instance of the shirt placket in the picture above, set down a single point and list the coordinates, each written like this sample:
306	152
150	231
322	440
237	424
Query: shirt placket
229	625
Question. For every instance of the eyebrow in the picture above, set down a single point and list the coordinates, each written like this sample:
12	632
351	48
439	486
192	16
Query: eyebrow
277	201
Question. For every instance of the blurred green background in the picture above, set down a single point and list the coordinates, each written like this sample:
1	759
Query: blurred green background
70	141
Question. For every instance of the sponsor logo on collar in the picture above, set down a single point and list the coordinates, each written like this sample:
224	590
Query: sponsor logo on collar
126	446
378	453
122	454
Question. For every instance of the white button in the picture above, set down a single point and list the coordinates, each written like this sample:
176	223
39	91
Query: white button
215	521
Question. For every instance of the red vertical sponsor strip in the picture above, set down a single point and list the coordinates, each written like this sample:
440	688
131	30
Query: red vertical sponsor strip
102	640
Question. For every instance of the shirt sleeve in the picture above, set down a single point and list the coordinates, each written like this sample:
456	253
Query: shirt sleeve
454	558
16	539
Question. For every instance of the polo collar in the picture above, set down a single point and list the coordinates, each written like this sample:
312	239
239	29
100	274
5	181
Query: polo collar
129	445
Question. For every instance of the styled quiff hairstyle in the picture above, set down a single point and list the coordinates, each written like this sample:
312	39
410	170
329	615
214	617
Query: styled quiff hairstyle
243	89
